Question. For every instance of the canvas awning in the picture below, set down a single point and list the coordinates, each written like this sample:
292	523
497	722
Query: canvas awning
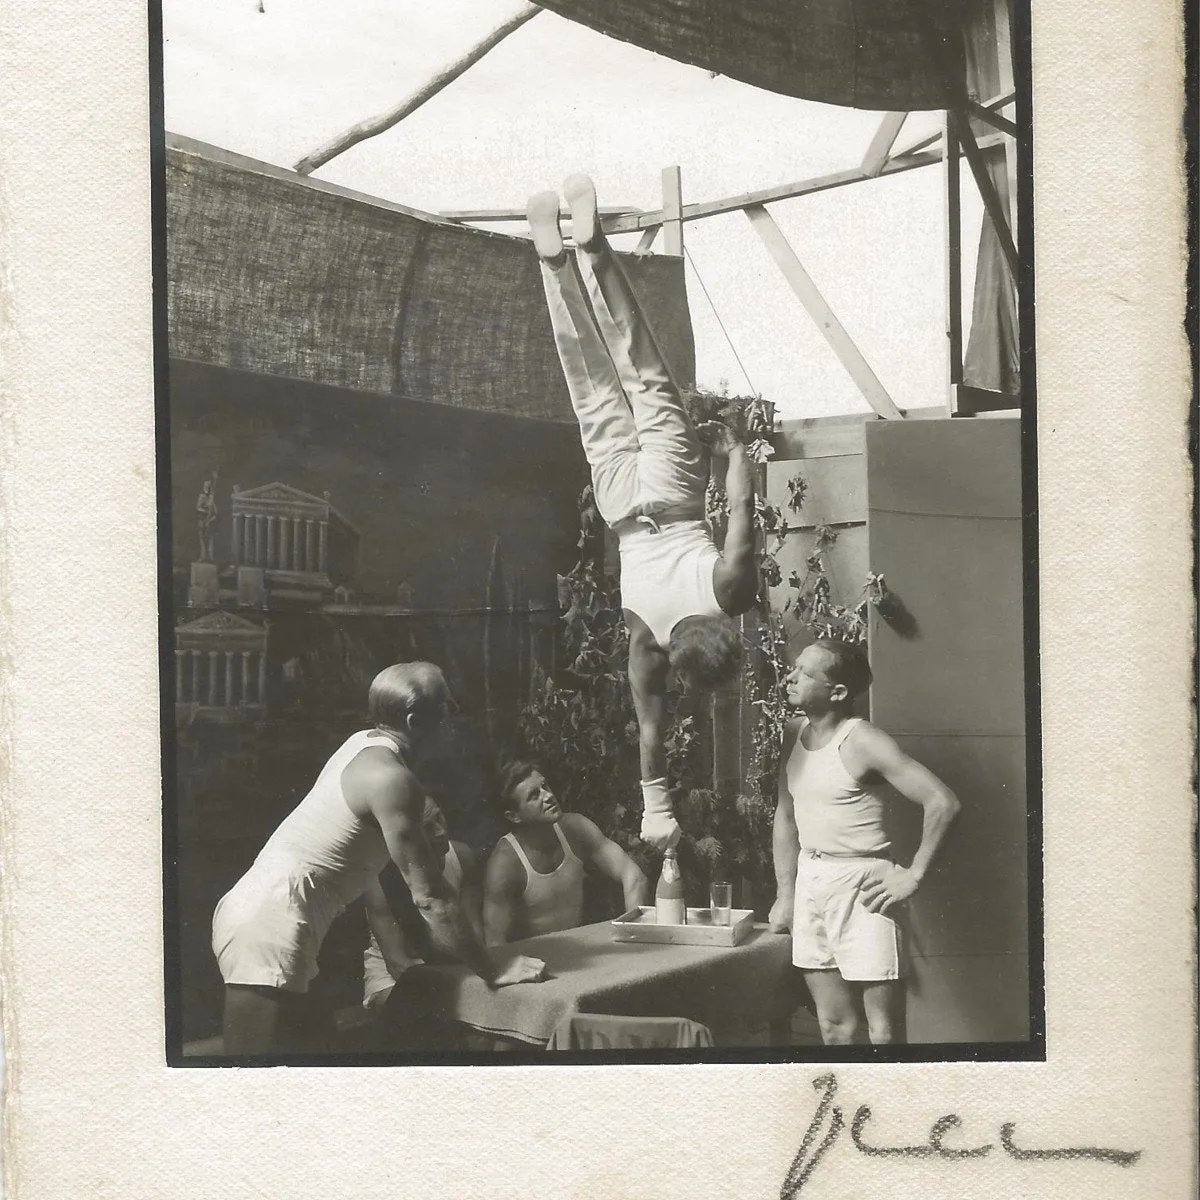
872	54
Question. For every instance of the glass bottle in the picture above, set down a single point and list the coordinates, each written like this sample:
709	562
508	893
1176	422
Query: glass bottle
669	906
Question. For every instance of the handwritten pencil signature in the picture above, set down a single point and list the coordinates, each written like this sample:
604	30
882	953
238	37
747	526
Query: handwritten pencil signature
811	1151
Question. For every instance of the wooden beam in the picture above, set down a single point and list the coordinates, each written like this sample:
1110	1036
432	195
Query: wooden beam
647	240
987	192
498	215
1004	63
831	328
995	120
384	121
787	191
1005	98
954	345
672	211
882	143
971	401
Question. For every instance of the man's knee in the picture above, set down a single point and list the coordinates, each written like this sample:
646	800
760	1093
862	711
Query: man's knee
839	1029
881	1029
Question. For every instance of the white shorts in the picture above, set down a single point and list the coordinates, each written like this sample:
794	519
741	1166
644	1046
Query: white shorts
832	929
264	933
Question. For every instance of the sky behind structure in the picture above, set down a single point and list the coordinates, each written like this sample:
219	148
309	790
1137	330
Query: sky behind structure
556	97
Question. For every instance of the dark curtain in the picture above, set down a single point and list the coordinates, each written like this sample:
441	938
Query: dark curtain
872	54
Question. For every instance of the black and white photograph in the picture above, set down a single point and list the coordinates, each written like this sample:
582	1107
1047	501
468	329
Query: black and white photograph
597	598
599	570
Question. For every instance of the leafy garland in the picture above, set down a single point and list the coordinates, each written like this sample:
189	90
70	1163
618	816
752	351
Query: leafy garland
582	727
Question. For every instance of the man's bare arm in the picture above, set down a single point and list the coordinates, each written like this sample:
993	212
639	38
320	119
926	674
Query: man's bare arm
785	841
735	578
504	881
868	750
389	937
608	858
395	799
648	686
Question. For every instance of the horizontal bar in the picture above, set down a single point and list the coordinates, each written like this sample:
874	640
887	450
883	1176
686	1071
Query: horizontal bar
518	214
710	208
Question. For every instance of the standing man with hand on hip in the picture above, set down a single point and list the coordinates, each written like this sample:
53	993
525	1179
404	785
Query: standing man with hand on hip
649	473
838	888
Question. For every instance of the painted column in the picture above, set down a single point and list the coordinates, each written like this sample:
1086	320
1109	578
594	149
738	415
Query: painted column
284	542
245	678
228	678
323	547
212	679
310	545
297	544
262	677
260	541
271	542
247	560
236	543
194	690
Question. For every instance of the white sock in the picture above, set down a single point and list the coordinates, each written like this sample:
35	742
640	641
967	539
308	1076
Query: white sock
659	826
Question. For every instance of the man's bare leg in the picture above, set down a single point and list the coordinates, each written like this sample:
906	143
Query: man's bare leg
837	1007
252	1018
884	1004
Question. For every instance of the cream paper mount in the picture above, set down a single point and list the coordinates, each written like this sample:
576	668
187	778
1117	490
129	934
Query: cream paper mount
90	1108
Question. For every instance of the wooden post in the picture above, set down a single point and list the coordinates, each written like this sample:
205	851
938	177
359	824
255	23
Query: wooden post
1004	67
953	197
882	143
801	283
672	226
384	121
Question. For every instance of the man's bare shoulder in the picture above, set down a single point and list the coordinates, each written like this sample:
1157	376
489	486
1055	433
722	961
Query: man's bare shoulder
582	832
867	748
504	870
376	775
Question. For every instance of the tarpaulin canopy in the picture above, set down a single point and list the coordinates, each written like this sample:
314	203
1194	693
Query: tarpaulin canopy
872	54
282	276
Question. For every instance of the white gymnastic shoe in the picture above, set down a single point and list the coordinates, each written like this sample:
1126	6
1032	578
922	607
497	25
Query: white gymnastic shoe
580	194
542	211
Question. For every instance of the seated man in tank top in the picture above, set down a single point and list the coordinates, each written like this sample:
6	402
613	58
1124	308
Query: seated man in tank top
534	878
838	888
365	808
649	474
392	918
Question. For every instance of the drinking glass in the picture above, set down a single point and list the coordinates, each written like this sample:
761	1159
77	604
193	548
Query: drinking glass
720	900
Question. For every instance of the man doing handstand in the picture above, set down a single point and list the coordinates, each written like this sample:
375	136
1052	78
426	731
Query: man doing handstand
649	474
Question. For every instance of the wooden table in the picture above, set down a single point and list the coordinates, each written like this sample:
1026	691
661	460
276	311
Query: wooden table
739	986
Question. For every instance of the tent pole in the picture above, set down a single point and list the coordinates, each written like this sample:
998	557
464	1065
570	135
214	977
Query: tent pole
384	121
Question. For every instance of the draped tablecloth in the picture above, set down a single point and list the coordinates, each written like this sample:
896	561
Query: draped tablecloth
589	972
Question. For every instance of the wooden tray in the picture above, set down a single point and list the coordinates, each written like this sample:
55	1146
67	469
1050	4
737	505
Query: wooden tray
639	925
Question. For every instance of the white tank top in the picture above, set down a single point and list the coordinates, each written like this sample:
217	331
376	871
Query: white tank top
550	902
376	976
835	813
668	575
330	854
